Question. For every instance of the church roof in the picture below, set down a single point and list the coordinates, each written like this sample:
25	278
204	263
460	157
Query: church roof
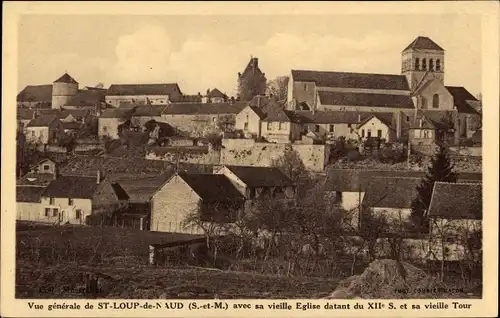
423	43
66	78
352	80
365	99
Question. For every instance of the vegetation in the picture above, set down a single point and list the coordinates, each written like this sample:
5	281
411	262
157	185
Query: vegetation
278	88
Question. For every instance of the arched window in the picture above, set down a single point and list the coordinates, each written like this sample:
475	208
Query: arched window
431	65
438	65
435	101
417	63
424	102
424	64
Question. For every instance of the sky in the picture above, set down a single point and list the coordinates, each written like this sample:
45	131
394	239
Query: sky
203	52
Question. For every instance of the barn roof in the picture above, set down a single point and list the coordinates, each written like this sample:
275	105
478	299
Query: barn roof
36	93
212	187
457	201
90	97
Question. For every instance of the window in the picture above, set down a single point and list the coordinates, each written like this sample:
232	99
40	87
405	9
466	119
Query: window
316	128
105	129
280	125
424	102
379	133
70	201
51	201
269	126
331	128
426	134
431	65
338	197
435	101
362	133
245	127
349	125
32	133
438	65
54	212
407	119
369	133
424	64
46	167
78	214
47	211
417	63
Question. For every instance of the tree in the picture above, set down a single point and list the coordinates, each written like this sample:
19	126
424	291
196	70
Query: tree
293	167
440	169
278	88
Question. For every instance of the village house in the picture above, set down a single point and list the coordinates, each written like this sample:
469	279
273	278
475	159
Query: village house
110	121
386	126
44	129
281	126
201	119
213	196
259	182
214	96
156	94
429	127
252	81
469	117
455	215
249	120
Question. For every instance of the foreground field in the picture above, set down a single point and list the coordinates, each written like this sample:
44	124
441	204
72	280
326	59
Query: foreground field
52	263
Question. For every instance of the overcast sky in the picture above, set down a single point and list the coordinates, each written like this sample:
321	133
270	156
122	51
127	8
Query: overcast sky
201	52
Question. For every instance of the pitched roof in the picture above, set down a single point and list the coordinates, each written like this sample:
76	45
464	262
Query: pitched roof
90	88
36	93
42	121
66	78
423	43
140	189
383	192
149	110
89	97
385	118
431	119
121	194
71	187
252	67
203	108
331	117
261	176
352	80
143	89
457	201
212	187
191	98
258	111
116	113
214	93
79	114
28	193
72	125
281	115
354	180
35	179
460	97
365	99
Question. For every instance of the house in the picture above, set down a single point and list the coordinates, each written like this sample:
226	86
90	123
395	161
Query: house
35	96
320	90
248	120
149	93
214	96
145	113
281	126
429	127
44	129
211	195
455	214
199	119
258	182
391	197
252	81
28	207
381	125
469	117
109	122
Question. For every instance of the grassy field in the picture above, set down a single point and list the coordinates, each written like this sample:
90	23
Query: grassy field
52	263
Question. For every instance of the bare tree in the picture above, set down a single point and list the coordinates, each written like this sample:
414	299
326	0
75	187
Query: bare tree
278	88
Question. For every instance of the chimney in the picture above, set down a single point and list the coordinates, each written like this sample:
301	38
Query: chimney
98	179
35	114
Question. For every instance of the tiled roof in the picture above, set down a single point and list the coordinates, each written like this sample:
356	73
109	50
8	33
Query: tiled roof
252	66
89	97
460	98
71	187
365	99
66	78
90	88
281	115
423	43
203	108
42	121
140	189
142	89
79	114
117	113
28	193
121	194
212	187
35	179
352	180
258	111
191	99
261	176
385	118
389	192
352	80
36	93
215	93
331	117
149	110
457	201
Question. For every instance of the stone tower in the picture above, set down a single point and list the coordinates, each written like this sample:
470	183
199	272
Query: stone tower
422	57
63	89
252	81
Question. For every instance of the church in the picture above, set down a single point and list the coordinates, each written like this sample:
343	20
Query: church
418	96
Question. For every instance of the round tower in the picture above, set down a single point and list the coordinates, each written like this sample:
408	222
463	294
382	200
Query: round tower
63	89
421	57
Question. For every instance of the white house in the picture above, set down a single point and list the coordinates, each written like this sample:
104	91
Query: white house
44	129
248	120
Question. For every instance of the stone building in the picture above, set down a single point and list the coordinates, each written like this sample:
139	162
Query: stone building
63	90
146	93
252	81
44	129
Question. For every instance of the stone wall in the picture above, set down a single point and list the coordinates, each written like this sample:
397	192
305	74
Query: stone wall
194	154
